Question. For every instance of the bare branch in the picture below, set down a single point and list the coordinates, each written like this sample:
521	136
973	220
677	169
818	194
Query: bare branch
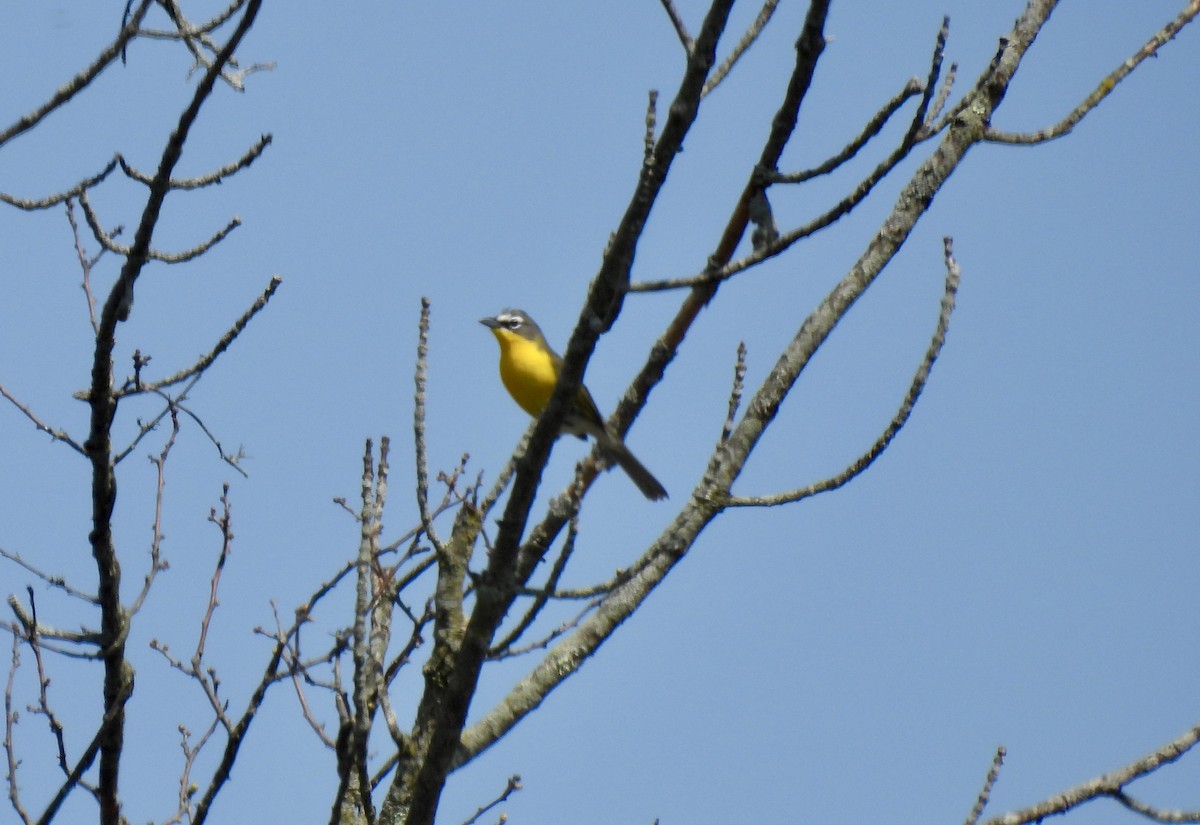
224	523
172	405
85	264
685	39
56	434
551	637
190	752
234	460
1150	49
149	426
1156	814
354	786
943	95
392	724
1110	784
651	124
422	465
216	176
185	256
735	394
415	638
295	668
502	648
106	239
918	125
199	42
57	581
746	41
81	80
207	360
43	706
157	565
917	133
514	784
873	127
10	745
864	461
985	793
185	29
32	205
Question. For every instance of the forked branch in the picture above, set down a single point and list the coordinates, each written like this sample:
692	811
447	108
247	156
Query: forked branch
1160	38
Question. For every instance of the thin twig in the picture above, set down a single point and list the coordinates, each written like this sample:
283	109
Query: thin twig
106	239
651	125
943	95
545	641
918	125
134	388
501	649
224	523
898	421
51	579
872	128
234	460
295	670
985	792
1154	813
685	39
416	638
187	790
514	784
185	29
422	465
43	706
10	721
191	35
746	41
56	434
85	264
735	394
157	565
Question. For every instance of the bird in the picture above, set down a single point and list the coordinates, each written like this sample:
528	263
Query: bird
529	370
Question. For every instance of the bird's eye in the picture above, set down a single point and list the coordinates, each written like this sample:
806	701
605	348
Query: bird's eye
513	323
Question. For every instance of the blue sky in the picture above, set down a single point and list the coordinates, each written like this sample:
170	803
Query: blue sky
1018	568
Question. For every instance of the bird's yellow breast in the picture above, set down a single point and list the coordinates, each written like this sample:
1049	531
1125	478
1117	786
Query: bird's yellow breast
528	370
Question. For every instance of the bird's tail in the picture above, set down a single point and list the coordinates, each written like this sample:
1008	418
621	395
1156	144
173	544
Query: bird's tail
643	478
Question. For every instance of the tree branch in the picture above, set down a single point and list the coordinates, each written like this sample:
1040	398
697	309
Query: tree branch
898	420
1110	784
81	80
1064	126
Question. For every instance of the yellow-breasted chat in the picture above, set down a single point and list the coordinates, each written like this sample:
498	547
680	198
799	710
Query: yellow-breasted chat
529	369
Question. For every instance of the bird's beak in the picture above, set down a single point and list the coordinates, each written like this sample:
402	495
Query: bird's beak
490	323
